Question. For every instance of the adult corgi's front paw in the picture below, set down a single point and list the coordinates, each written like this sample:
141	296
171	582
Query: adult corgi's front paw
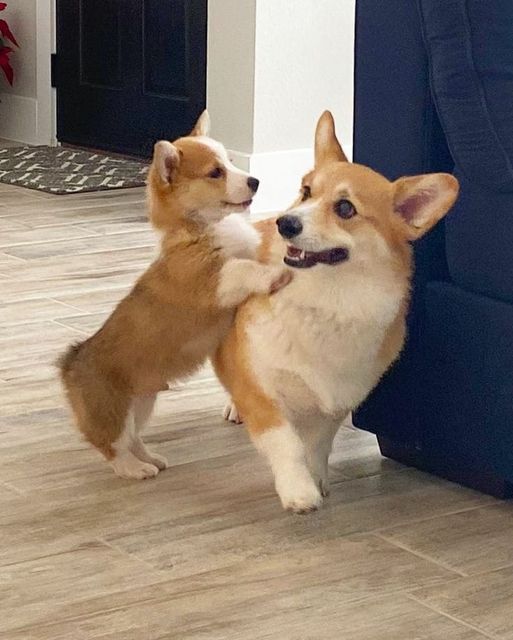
301	498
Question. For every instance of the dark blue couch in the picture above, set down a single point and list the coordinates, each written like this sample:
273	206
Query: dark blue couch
434	92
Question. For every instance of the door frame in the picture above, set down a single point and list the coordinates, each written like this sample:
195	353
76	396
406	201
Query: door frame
46	120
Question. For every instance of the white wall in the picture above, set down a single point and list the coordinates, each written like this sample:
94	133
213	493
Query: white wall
273	67
231	71
26	109
304	53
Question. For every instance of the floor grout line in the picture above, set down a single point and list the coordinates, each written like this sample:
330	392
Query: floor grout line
443	514
14	489
421	555
80	331
453	618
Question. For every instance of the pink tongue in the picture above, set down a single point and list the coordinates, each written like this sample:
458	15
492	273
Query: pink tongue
293	251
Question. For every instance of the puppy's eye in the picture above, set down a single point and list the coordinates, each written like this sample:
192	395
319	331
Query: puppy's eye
344	209
306	193
216	173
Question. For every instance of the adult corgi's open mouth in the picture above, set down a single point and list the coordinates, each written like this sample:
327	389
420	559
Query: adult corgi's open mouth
302	259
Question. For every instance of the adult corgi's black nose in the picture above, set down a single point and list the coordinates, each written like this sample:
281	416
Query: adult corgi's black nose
253	184
289	226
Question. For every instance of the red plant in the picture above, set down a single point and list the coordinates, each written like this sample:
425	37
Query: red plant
5	51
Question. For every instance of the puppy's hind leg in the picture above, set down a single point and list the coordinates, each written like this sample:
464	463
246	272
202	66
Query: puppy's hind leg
124	462
142	409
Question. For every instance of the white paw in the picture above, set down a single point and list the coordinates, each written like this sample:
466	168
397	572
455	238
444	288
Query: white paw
156	459
324	486
277	278
128	466
322	481
231	413
140	450
303	498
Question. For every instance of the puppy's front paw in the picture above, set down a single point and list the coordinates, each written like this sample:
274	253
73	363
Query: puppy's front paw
275	278
281	281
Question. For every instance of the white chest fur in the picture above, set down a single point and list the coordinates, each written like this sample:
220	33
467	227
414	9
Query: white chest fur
317	350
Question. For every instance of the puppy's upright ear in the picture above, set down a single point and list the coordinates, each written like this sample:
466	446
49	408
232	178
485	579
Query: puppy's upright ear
423	200
166	160
202	126
327	146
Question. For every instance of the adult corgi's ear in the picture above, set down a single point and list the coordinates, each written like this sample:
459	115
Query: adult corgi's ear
202	126
327	147
423	200
166	160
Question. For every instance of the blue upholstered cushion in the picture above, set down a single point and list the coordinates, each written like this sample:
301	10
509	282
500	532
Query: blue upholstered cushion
470	52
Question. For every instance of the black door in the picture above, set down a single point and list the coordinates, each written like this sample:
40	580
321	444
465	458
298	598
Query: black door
129	72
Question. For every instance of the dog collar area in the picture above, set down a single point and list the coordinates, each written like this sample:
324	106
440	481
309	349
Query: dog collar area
301	259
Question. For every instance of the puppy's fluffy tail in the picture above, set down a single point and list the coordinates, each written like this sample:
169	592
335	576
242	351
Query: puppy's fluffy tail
66	360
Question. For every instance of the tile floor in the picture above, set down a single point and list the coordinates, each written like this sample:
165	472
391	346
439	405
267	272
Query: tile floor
204	550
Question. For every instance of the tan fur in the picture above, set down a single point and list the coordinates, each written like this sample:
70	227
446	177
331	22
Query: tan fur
288	377
177	312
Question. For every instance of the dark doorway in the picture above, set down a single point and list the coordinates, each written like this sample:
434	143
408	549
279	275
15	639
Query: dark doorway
129	72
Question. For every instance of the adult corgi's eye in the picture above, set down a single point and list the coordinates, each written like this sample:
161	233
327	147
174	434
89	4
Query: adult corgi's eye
344	209
216	173
306	193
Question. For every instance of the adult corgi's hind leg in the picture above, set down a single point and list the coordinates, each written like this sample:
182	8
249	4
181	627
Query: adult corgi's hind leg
142	409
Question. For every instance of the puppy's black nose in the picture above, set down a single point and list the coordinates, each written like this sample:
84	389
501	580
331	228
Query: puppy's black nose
253	184
289	226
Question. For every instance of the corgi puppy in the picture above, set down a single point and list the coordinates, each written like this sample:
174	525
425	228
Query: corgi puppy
179	309
295	364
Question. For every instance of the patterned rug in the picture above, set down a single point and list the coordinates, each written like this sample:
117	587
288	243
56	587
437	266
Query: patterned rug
60	170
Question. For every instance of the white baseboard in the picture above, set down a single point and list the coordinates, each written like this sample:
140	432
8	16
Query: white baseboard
19	120
280	174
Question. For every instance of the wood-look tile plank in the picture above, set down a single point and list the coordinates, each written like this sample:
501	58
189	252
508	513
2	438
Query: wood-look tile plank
54	277
33	311
471	542
87	323
9	261
187	542
21	237
37	394
311	614
484	601
86	243
119	225
356	455
355	568
327	577
49	216
97	301
31	345
110	260
45	590
7	225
